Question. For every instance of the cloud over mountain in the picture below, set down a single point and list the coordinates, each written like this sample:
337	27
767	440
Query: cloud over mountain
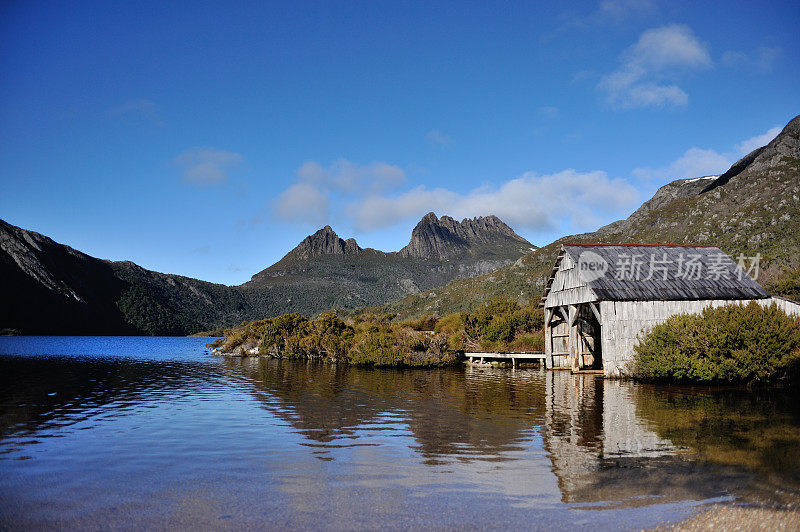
696	162
532	201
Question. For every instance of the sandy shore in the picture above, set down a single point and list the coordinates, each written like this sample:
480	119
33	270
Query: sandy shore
738	518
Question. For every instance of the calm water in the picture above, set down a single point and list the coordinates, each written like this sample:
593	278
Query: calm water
155	432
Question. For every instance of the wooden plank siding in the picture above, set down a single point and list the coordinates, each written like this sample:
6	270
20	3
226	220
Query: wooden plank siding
567	287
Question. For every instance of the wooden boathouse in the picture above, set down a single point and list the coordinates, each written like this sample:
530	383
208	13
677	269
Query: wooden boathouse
599	299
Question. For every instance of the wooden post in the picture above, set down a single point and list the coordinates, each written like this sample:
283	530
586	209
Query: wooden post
548	338
573	337
595	311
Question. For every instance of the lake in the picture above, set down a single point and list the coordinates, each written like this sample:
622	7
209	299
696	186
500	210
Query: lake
121	432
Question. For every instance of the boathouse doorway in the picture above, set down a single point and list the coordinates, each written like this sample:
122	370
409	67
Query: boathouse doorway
589	351
572	338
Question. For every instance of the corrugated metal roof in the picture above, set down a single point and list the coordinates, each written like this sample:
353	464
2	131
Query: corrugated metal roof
667	273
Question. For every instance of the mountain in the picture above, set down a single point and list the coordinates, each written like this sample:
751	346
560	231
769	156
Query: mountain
324	271
51	288
324	242
444	238
753	208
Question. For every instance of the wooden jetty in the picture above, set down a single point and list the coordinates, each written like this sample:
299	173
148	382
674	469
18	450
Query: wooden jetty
505	356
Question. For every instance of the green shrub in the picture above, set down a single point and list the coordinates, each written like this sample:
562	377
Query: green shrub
450	324
533	341
731	344
375	349
501	329
235	339
455	342
788	285
498	323
425	323
271	339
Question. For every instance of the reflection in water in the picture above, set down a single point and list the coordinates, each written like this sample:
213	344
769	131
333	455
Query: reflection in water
451	414
756	431
603	452
608	440
165	435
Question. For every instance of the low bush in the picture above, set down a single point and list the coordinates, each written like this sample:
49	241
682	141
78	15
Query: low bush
788	285
732	344
499	325
425	323
376	348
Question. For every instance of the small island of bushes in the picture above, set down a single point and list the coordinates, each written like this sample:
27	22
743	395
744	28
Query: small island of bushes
370	339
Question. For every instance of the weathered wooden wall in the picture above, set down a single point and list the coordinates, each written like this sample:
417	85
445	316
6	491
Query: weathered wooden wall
789	307
568	288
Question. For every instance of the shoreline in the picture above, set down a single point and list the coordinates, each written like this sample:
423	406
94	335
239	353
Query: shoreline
736	517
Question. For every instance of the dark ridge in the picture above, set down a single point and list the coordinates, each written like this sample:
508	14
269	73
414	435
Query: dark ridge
737	168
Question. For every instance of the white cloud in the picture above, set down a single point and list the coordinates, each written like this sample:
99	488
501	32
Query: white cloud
346	176
760	60
669	46
697	162
437	138
531	201
650	94
138	111
302	203
207	166
641	80
609	13
308	199
746	146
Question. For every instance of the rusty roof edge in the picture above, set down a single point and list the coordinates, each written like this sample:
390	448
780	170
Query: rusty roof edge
628	244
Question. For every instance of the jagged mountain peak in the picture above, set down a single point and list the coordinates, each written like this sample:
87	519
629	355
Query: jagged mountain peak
325	242
445	237
457	249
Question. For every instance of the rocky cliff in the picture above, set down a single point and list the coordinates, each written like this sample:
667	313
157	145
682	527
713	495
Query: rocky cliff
325	242
445	238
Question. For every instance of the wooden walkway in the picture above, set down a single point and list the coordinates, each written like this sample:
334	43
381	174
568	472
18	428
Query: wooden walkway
505	356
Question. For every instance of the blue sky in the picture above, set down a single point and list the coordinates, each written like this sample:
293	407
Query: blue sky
207	139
